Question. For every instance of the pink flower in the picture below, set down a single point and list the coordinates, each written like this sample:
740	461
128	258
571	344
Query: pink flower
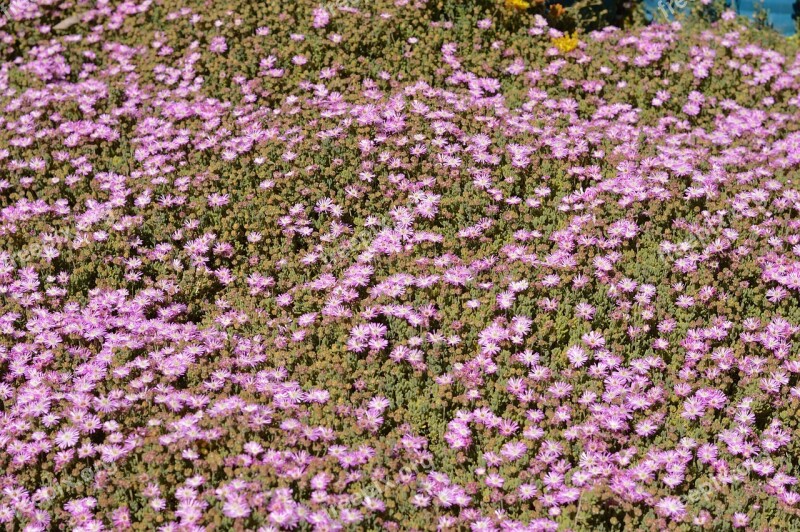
218	45
740	520
671	507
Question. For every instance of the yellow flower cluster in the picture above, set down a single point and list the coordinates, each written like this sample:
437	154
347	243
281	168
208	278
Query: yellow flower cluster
517	4
566	43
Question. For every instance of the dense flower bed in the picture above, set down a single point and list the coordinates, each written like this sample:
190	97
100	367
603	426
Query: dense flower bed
395	265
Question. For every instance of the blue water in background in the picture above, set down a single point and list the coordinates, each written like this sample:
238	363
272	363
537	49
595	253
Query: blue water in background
780	12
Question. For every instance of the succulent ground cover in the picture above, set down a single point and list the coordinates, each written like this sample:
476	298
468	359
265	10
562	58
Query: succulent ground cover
395	265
